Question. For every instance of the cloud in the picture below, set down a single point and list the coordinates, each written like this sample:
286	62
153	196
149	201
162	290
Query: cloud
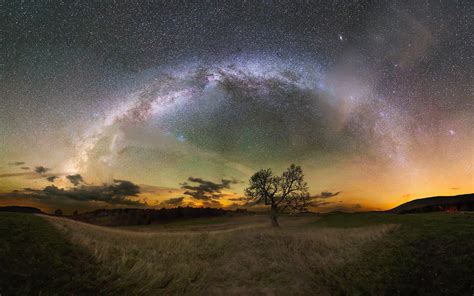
319	203
117	193
212	204
51	178
320	200
16	163
124	188
8	175
75	179
326	194
160	190
175	201
206	190
238	198
41	169
30	175
25	168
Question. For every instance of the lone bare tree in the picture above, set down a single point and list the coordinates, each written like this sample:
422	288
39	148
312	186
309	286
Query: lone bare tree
288	192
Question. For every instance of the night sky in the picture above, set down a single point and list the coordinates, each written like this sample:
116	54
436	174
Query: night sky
157	104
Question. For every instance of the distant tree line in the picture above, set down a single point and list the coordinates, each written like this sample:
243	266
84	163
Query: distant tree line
127	217
21	209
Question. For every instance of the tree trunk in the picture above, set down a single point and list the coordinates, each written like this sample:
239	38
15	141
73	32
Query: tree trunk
274	216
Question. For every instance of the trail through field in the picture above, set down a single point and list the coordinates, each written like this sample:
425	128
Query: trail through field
333	254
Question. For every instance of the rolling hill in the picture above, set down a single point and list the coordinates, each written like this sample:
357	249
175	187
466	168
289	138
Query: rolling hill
463	202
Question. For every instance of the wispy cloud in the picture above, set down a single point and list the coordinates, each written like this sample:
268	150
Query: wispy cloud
75	179
321	199
206	190
326	194
174	202
8	175
51	178
16	163
41	169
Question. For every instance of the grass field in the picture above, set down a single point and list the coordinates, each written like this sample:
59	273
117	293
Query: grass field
36	259
337	254
429	254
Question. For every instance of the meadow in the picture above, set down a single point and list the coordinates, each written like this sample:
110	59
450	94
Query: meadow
335	254
37	260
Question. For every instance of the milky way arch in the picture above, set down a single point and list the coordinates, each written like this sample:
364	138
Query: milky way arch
251	111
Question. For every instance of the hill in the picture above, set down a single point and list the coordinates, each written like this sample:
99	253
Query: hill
464	202
19	209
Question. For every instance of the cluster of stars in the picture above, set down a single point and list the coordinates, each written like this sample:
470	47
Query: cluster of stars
159	91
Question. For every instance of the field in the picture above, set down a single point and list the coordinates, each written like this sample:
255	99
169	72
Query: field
36	259
335	254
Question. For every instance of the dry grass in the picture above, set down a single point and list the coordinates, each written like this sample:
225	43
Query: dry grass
291	260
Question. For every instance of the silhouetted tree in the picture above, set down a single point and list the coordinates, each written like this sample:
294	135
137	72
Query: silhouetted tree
288	192
58	212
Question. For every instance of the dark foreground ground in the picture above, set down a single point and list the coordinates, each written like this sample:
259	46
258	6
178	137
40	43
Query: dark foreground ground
430	254
426	254
36	260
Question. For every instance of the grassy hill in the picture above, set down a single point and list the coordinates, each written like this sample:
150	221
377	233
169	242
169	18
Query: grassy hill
463	202
35	259
335	254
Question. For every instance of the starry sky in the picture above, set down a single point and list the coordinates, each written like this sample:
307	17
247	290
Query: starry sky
166	103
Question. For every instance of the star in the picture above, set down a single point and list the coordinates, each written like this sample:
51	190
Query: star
156	92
